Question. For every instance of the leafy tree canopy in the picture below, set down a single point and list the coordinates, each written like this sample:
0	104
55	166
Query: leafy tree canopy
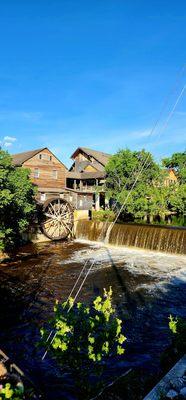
178	162
17	202
134	178
125	166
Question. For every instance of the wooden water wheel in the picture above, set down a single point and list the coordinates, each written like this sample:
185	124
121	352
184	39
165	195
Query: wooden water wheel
58	219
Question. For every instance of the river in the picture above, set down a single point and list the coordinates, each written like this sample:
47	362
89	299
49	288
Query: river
147	287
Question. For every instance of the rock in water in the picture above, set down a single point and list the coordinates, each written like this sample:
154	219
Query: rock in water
183	393
172	395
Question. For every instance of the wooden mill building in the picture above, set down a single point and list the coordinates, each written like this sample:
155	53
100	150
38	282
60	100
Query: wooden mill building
82	185
48	173
86	177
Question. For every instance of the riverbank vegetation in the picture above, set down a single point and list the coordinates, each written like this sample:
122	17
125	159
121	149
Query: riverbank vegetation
136	180
103	215
17	203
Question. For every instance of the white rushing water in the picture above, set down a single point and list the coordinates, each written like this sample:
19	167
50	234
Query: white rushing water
161	266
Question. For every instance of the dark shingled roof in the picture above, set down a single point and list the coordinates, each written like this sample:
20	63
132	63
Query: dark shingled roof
101	157
86	175
20	158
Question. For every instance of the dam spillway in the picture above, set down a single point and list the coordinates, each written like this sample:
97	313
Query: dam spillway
151	237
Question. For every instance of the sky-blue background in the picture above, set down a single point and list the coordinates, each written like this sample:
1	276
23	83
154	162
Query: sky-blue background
91	73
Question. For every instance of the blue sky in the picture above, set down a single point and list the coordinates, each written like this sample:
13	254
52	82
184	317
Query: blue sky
92	73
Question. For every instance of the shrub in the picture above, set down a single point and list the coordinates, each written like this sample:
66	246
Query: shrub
103	215
85	336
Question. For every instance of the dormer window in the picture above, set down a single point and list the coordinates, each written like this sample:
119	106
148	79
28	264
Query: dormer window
45	156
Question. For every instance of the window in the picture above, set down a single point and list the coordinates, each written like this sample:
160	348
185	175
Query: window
54	174
36	172
45	156
43	197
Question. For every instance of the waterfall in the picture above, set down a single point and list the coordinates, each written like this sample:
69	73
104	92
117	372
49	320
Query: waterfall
152	237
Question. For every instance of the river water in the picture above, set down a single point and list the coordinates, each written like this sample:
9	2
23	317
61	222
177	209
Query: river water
147	287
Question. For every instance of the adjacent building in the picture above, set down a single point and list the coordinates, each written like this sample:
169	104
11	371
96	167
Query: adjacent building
48	173
171	178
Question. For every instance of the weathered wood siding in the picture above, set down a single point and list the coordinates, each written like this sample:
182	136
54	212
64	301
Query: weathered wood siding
46	168
96	165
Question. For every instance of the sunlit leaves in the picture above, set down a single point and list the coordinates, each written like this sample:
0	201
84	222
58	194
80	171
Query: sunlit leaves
173	324
7	391
85	334
137	181
17	202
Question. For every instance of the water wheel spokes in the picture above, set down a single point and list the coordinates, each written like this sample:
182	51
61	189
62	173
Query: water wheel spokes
58	219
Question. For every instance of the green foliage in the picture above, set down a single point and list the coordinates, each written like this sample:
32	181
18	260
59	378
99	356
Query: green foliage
149	197
178	328
178	162
17	202
85	335
7	391
103	215
124	167
177	198
173	324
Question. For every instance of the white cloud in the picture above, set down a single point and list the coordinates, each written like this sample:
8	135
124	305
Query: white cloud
9	139
7	144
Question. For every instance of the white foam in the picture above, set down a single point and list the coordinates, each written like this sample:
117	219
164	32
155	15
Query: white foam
139	261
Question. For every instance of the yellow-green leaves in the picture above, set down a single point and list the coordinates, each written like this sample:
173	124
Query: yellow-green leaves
105	347
173	324
121	339
7	391
120	350
86	334
91	339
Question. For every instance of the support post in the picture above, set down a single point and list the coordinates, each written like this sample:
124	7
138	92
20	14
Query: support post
97	202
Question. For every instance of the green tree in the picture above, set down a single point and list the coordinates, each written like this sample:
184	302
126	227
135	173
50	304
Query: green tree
17	203
126	174
178	162
125	166
177	199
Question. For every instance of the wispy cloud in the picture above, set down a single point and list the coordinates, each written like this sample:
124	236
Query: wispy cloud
10	139
7	144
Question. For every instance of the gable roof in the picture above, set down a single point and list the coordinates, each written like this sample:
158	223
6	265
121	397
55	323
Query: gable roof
101	157
19	158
